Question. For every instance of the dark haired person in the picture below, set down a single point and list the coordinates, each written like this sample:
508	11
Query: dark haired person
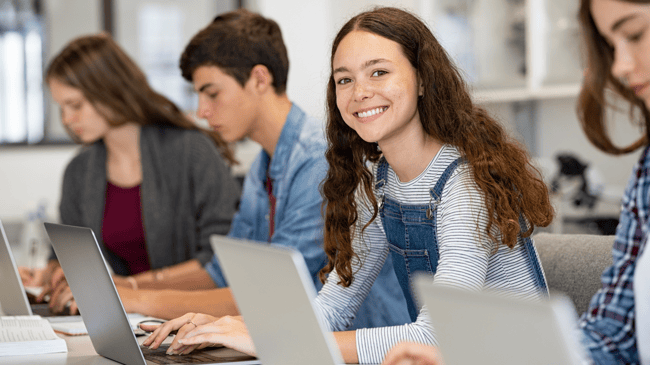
418	175
151	185
238	65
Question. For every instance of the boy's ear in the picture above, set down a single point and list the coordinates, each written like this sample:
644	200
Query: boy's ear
261	78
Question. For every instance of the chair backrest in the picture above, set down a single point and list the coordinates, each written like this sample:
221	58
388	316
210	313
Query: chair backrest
573	264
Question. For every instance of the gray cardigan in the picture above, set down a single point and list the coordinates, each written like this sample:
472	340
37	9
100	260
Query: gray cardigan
187	194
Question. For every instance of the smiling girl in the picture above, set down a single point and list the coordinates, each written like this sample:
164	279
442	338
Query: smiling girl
418	175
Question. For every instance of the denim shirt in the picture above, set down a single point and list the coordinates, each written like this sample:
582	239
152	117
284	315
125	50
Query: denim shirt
608	326
297	169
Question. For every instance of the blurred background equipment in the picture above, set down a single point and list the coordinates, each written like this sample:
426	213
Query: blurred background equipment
576	183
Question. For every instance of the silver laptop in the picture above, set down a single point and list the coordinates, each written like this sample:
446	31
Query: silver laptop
13	296
13	299
101	308
275	294
486	328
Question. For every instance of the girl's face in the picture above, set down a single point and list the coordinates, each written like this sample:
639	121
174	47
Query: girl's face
377	89
625	26
77	113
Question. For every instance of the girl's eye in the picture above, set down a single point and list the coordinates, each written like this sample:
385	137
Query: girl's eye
379	73
75	106
213	96
343	81
635	37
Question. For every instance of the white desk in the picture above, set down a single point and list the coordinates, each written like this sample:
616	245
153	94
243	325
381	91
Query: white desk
80	351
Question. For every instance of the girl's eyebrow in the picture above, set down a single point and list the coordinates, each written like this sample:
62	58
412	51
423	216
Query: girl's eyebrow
619	23
365	65
71	100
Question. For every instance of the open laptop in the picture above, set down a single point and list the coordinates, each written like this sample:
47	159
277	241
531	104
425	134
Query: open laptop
101	308
275	294
13	299
487	328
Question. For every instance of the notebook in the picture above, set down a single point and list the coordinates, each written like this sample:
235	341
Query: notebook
490	329
275	293
101	308
21	332
28	335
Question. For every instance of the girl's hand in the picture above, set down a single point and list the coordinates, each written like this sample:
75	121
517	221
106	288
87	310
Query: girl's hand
61	299
409	353
182	324
227	331
32	277
52	279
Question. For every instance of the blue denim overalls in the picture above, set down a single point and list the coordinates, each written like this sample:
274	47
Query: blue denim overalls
411	232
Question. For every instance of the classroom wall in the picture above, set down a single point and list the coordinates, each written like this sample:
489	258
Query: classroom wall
31	174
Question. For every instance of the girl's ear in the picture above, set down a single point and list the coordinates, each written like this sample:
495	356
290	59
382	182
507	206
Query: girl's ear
421	89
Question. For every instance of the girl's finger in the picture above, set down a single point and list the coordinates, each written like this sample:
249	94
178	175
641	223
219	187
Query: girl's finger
201	339
188	349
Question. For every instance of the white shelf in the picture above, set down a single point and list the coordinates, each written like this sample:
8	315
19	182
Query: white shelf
493	96
525	50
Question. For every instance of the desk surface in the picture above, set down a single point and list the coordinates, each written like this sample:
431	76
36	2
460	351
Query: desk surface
80	351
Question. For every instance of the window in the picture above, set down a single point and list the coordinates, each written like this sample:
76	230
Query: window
22	104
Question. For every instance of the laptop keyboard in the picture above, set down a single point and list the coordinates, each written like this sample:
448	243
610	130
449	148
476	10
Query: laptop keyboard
159	356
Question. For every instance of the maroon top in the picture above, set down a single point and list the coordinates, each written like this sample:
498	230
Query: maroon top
122	230
269	191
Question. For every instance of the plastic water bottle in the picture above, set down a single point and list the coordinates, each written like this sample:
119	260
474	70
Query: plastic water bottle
35	246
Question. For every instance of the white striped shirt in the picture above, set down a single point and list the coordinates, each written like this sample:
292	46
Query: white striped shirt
466	256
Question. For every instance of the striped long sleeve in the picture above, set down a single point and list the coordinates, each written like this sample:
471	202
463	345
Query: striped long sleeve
466	257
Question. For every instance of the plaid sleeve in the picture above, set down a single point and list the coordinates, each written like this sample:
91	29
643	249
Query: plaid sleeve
608	325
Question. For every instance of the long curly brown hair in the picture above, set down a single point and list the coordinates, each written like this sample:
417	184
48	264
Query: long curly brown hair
109	78
501	166
593	101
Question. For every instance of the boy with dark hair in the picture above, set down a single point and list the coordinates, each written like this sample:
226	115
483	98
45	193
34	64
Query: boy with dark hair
238	65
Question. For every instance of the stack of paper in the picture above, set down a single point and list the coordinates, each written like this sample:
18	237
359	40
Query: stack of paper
28	335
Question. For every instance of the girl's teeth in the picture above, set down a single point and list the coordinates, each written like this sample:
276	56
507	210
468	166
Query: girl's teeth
370	113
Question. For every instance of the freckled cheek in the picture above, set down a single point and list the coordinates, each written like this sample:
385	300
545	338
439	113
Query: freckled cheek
341	103
405	93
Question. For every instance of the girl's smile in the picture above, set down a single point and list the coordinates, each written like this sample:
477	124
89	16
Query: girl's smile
371	112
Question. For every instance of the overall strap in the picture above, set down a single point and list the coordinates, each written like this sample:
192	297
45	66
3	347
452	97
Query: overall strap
532	257
382	173
436	191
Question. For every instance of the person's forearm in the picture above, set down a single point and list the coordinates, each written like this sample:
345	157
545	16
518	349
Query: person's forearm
347	342
189	275
168	304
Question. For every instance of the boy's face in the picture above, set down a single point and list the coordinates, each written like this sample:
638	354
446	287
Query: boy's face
229	108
